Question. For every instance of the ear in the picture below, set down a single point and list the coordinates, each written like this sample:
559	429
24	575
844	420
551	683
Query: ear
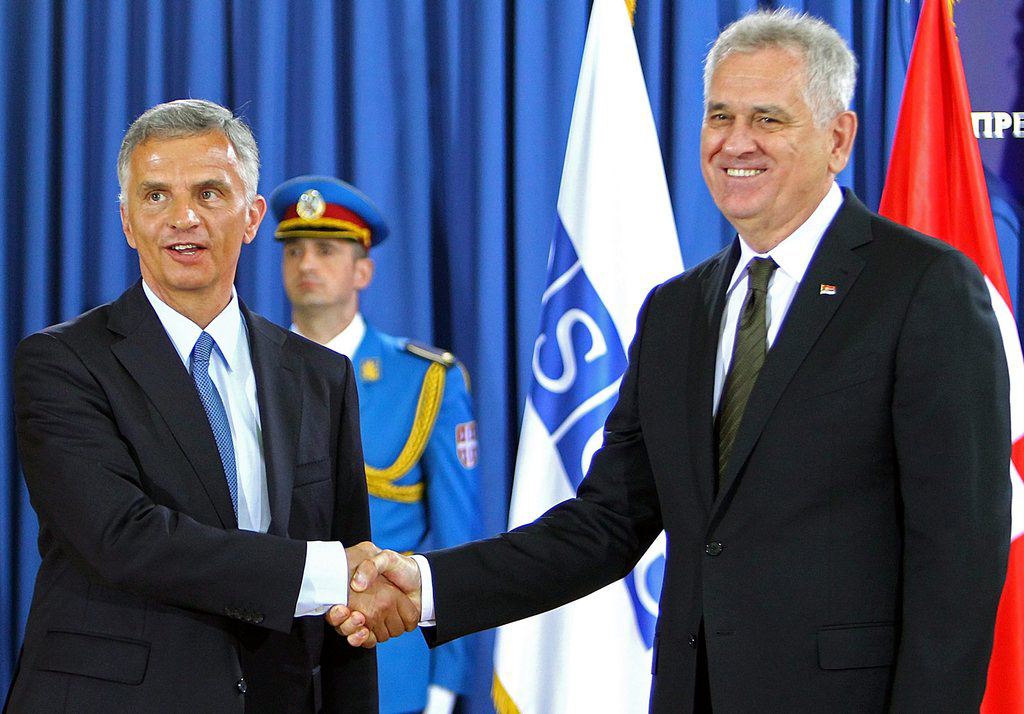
257	210
843	131
363	273
127	227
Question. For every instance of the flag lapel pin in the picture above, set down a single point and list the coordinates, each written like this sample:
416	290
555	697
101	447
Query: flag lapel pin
826	289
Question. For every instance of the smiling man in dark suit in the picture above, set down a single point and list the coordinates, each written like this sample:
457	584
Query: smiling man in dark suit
817	416
196	470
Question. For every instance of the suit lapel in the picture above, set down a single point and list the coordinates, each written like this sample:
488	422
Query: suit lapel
834	264
279	396
148	355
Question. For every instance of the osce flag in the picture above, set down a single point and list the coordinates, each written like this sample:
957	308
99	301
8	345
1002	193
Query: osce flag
615	239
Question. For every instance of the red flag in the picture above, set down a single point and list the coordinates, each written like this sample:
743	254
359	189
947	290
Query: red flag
936	185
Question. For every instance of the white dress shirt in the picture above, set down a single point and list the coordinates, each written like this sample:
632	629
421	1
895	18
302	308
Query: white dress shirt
325	575
792	255
347	341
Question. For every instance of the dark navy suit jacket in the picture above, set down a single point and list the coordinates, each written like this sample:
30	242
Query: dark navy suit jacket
853	557
149	599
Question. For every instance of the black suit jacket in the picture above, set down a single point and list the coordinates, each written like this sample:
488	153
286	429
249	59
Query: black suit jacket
149	599
853	558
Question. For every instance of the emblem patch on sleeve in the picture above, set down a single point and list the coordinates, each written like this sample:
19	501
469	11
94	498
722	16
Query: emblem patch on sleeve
466	444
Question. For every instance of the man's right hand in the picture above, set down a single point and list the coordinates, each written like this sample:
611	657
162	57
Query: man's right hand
377	609
400	573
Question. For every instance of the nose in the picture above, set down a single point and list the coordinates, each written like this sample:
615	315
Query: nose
307	261
183	215
739	139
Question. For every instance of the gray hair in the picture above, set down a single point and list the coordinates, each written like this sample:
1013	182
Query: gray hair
831	68
191	117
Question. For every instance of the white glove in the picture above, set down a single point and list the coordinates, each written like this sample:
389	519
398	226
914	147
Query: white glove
439	700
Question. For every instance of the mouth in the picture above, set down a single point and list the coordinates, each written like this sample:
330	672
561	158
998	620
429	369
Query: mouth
743	173
185	248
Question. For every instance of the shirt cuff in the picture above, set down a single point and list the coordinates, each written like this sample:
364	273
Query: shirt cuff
324	578
426	592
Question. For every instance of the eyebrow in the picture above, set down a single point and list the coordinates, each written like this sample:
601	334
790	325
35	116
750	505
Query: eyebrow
214	183
770	109
773	109
147	186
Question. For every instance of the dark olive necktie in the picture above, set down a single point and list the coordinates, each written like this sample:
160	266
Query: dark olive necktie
747	357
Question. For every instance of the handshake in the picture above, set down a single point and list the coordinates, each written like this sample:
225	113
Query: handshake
383	596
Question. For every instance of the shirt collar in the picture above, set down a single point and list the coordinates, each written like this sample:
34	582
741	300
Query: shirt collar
794	253
347	341
227	329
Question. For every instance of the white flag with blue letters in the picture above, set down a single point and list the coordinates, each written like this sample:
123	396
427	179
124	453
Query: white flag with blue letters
615	239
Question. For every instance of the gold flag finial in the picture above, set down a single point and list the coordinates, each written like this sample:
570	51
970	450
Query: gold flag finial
952	16
631	7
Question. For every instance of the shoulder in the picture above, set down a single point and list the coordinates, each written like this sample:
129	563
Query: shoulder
900	237
420	357
913	253
315	355
90	324
693	282
869	233
445	359
406	350
81	334
79	349
430	353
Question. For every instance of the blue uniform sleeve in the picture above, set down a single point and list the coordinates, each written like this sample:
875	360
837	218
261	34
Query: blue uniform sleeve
450	464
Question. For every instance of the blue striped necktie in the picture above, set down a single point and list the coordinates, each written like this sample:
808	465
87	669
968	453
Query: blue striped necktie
215	412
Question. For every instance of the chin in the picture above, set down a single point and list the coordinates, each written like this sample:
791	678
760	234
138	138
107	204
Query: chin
739	209
307	300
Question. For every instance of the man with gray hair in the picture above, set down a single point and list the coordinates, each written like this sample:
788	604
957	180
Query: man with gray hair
196	470
818	417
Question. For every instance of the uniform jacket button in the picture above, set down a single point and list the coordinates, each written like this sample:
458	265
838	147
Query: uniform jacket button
713	548
241	686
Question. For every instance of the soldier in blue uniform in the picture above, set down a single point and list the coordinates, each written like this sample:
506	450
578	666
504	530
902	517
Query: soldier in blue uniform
419	435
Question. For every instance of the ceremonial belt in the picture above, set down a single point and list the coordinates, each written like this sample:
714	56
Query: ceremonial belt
381	482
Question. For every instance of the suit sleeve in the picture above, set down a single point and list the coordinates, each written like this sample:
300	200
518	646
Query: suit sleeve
951	427
572	550
453	507
86	488
349	674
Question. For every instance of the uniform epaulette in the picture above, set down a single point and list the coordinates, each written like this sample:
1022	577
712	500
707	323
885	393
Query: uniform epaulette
434	354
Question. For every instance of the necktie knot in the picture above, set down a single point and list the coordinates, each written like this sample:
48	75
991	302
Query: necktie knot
202	350
761	270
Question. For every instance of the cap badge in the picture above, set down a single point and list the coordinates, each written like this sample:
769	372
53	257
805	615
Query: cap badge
311	205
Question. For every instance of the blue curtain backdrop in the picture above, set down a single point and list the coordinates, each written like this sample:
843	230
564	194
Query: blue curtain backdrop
451	114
